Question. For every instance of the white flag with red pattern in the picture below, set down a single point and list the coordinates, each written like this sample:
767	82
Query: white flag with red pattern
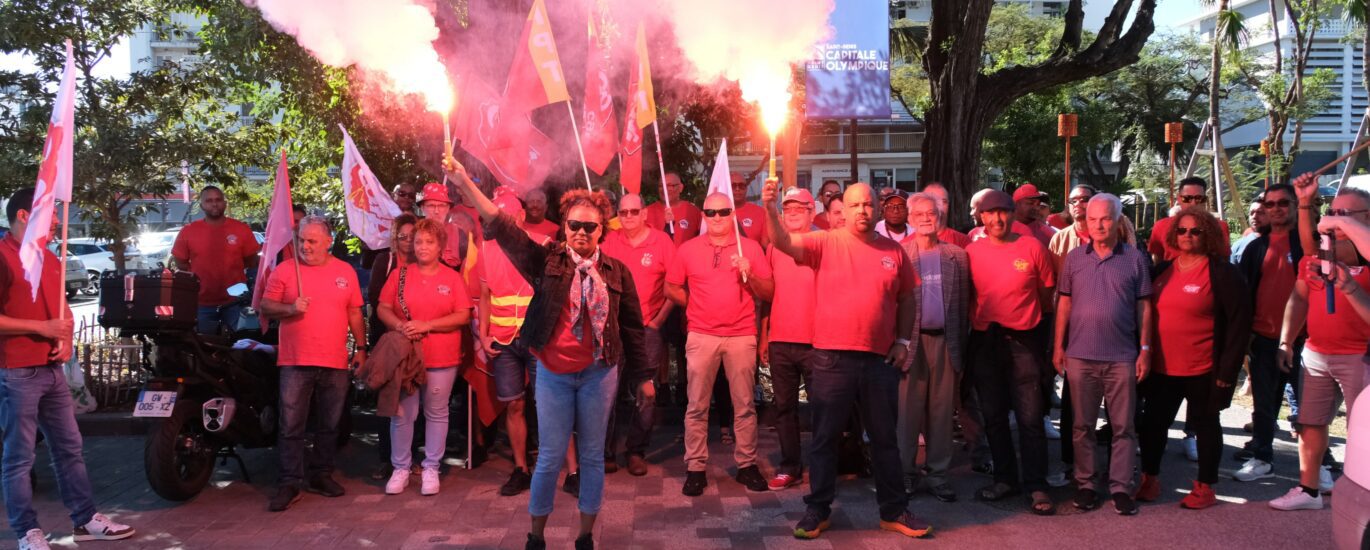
54	178
280	231
370	210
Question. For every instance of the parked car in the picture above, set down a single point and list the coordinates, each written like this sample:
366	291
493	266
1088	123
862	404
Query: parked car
99	258
77	278
156	247
1351	495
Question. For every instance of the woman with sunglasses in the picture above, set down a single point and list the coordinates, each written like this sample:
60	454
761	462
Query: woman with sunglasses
584	325
400	253
1203	321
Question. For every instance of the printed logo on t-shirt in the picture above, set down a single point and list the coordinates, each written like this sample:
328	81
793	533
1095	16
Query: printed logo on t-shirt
647	260
684	224
1355	271
444	290
888	263
1192	288
747	222
232	239
1021	265
341	282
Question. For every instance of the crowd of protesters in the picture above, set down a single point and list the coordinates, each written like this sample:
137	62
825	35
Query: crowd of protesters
894	324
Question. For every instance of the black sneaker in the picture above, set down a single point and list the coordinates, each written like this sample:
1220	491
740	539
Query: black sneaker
983	468
1124	505
324	485
812	524
535	543
572	484
695	482
585	542
943	492
1086	499
750	477
286	496
908	525
518	483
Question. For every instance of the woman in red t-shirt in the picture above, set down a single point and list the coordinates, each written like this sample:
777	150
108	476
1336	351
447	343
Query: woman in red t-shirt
1203	320
432	308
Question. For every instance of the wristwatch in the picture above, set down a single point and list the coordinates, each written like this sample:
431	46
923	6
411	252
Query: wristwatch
1146	347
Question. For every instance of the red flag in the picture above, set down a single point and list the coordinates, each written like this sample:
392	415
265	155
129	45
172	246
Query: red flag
54	178
535	78
599	131
280	231
641	112
517	153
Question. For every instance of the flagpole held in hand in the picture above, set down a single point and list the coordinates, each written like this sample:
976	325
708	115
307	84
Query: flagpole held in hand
295	242
576	131
665	196
62	310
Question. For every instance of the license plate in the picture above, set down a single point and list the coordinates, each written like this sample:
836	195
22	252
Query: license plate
155	404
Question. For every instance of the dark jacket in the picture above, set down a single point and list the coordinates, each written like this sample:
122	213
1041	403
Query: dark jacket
1248	254
1234	311
550	270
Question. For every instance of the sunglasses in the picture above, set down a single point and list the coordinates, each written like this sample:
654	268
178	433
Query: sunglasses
1345	212
1195	231
629	211
717	212
1282	203
1193	198
405	194
573	226
1080	200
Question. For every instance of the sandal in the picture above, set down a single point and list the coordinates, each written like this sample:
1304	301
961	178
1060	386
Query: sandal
1042	504
997	491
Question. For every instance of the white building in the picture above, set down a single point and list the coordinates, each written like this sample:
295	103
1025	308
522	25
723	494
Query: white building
1329	134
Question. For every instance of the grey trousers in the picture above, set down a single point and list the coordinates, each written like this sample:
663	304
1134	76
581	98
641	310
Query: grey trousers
1114	385
927	404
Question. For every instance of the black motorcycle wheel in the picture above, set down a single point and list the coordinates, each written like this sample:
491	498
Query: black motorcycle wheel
178	455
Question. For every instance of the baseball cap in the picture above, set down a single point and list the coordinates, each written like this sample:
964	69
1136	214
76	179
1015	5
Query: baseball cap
434	191
894	194
508	201
1027	191
797	194
994	200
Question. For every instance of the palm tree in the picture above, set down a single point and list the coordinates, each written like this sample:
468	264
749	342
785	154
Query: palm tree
1228	34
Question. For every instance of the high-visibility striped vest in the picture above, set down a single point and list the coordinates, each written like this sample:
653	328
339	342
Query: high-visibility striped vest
510	294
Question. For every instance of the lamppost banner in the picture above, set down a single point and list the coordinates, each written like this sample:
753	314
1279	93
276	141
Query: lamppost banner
849	74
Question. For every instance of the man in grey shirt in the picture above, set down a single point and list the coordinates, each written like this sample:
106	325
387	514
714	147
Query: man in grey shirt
1103	326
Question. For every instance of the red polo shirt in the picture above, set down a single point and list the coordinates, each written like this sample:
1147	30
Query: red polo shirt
1339	333
27	350
688	219
648	262
792	308
1184	321
1007	279
862	282
719	303
752	220
218	254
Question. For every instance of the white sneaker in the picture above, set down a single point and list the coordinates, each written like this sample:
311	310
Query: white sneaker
1058	479
1191	448
1051	431
399	479
1324	480
1296	499
100	527
1253	470
431	483
33	540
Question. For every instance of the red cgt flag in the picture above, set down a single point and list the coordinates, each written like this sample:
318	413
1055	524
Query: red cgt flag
54	178
280	231
512	149
599	131
641	112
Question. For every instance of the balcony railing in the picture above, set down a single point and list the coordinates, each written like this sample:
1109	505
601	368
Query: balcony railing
817	144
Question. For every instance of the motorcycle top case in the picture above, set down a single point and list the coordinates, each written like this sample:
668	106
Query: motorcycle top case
153	300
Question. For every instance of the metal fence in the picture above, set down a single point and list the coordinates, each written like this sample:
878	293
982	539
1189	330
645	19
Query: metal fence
111	364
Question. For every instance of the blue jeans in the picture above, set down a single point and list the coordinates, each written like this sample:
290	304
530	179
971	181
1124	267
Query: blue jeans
322	391
1267	392
577	402
210	318
32	399
435	396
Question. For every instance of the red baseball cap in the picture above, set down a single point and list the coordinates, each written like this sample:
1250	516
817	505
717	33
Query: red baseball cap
508	201
797	194
434	191
1027	191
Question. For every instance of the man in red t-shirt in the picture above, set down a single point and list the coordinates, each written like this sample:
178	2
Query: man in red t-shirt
437	204
1192	191
217	249
35	340
718	277
1334	355
535	214
787	336
316	309
1014	282
859	352
1268	262
827	191
750	217
648	252
1027	202
684	219
947	235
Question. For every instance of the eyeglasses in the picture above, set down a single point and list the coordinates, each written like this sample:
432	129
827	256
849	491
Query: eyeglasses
895	207
405	194
573	226
1195	231
1195	198
1282	203
629	211
797	208
1345	212
717	212
1080	200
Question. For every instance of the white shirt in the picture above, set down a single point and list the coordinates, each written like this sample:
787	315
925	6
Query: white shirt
897	237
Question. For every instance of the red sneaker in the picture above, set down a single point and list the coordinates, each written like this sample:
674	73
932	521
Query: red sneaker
783	481
1201	497
1149	490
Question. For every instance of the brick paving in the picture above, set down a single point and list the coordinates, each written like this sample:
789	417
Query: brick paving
650	513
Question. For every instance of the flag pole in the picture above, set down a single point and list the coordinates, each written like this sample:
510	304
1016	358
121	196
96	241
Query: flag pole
62	311
665	196
575	130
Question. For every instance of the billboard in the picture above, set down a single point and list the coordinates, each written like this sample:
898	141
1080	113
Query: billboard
849	74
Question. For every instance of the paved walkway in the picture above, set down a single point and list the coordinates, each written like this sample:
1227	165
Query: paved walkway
650	513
